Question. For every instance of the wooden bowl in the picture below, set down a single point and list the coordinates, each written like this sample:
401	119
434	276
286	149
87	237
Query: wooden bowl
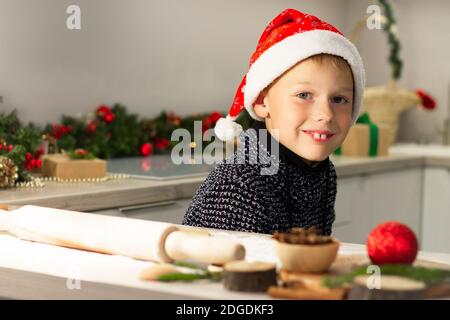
307	258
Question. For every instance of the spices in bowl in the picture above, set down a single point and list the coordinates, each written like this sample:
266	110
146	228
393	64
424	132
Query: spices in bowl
305	250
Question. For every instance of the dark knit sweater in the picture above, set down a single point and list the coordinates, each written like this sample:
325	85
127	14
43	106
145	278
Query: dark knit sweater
238	197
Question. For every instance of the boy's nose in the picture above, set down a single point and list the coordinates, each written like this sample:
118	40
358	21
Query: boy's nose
323	111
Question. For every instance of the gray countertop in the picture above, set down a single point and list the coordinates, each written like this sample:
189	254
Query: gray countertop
133	191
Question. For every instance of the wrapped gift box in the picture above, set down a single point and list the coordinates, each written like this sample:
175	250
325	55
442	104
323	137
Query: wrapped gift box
63	167
358	140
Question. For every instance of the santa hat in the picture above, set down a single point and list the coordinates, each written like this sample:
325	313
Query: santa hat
289	38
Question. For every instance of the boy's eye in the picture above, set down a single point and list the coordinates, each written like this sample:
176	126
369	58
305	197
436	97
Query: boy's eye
304	95
340	100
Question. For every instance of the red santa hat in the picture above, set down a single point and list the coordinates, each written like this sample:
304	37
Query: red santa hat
289	38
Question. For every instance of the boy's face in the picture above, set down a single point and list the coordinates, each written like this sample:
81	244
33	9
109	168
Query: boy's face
311	105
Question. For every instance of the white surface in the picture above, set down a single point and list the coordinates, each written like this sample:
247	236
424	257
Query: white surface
422	150
88	266
121	272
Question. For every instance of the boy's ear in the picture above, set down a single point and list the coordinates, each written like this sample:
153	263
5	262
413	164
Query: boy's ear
260	108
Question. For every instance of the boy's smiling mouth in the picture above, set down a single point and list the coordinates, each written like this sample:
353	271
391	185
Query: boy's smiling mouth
319	135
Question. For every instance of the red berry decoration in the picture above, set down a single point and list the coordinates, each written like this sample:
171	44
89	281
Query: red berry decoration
109	117
102	110
38	163
427	100
392	242
161	143
214	116
105	113
146	149
92	126
81	152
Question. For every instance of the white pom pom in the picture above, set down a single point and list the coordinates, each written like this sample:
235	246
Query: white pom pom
226	129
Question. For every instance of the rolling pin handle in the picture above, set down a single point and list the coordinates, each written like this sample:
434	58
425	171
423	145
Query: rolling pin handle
181	245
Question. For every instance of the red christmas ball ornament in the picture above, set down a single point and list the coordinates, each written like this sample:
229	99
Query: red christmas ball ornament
146	149
392	242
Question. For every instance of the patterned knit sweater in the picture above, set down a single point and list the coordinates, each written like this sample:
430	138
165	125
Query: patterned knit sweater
239	197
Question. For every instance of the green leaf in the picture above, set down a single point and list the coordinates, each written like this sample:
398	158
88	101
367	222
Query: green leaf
180	276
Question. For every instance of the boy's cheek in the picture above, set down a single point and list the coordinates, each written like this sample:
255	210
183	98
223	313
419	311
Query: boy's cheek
344	122
344	132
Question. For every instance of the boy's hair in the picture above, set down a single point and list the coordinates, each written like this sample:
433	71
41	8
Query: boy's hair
336	62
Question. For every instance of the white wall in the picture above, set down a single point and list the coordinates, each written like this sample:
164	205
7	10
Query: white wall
182	55
424	32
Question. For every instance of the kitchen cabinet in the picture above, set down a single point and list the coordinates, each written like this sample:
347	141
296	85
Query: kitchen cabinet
436	210
164	211
364	201
350	208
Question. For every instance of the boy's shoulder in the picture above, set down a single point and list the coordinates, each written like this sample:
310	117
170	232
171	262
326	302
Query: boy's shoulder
232	174
243	172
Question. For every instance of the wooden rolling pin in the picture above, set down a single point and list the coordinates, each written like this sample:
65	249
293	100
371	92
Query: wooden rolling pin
139	239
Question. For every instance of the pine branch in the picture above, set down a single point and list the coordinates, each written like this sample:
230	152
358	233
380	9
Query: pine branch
394	54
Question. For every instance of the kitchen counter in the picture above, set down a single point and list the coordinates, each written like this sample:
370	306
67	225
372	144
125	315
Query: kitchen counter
30	270
35	270
101	195
133	191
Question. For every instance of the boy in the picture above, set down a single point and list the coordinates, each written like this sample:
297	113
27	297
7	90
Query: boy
304	86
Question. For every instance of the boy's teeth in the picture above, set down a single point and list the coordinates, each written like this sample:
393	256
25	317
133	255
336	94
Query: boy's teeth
319	136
